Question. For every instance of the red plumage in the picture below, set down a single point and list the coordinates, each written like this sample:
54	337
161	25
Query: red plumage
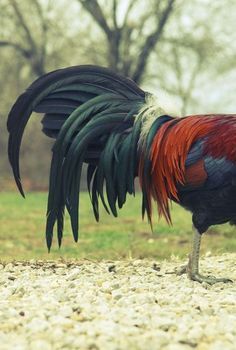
195	175
170	148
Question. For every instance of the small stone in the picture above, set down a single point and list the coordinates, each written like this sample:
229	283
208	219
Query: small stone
12	278
61	265
77	309
74	275
20	291
9	267
65	311
166	324
174	346
40	344
116	295
112	268
37	325
208	254
138	262
156	267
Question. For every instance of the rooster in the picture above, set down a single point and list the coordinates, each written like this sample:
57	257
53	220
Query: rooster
103	119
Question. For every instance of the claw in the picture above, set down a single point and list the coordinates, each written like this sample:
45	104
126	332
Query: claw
208	279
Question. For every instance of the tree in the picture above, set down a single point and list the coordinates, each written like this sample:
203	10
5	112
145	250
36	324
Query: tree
131	40
197	48
182	61
30	47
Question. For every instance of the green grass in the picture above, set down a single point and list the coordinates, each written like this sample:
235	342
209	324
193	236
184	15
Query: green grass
22	224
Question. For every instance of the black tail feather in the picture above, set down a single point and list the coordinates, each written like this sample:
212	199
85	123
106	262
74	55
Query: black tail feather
91	112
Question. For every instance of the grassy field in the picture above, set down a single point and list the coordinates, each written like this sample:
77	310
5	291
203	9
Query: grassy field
22	224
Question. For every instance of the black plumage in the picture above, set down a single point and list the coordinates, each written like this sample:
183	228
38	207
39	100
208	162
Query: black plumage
91	112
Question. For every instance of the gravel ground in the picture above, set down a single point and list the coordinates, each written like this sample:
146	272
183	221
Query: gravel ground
137	304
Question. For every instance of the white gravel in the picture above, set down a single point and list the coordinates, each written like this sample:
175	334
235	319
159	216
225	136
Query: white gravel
138	304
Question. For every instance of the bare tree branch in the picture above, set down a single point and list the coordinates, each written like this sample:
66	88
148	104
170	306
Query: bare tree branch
113	34
151	41
23	24
26	53
33	51
95	11
114	13
119	39
132	3
142	21
44	29
43	20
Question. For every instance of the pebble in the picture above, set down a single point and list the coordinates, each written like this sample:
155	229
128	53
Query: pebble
37	325
116	295
82	305
40	344
74	275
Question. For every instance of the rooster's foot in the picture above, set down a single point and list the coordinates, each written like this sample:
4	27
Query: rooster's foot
207	279
200	278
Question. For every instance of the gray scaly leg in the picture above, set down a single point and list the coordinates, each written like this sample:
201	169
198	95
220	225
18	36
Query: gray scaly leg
192	269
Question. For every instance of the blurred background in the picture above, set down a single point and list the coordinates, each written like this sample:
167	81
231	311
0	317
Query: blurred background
184	50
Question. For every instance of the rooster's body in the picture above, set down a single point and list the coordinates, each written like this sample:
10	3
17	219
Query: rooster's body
105	120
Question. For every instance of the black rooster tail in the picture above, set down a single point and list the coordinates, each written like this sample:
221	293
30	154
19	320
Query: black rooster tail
91	112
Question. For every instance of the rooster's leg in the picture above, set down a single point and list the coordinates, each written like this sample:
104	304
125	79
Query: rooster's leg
193	264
